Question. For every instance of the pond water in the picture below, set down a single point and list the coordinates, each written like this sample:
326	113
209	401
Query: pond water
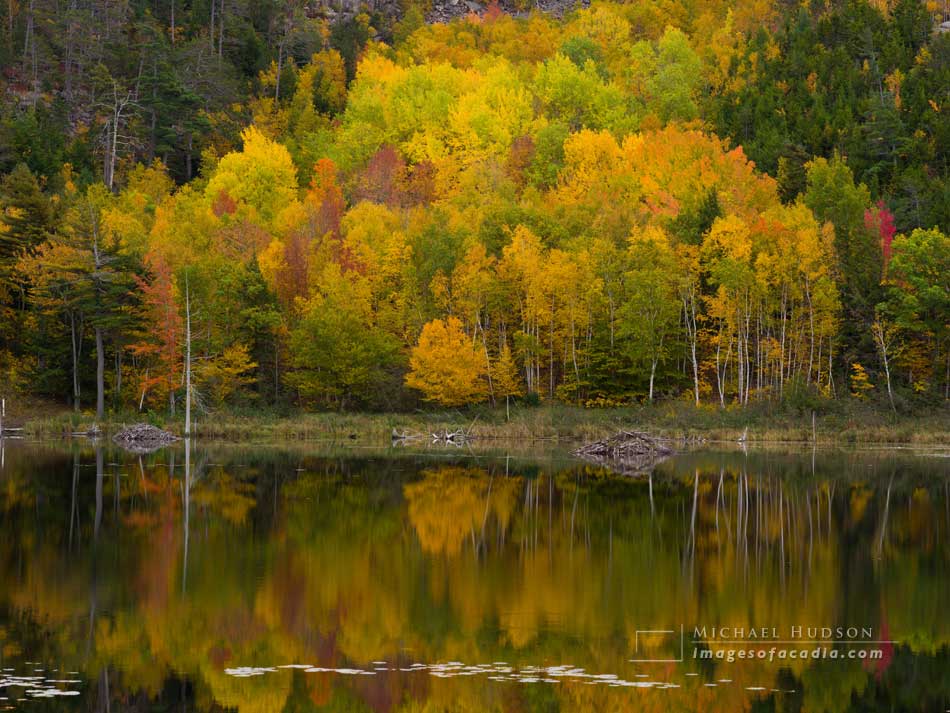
322	579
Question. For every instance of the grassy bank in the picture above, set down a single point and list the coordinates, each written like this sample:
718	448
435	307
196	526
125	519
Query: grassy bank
841	423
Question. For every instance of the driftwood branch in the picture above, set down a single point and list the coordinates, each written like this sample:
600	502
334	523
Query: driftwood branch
444	437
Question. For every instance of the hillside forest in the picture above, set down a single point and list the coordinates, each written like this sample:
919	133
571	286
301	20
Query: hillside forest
722	202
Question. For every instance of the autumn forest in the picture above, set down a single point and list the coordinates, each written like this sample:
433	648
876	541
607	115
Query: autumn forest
723	202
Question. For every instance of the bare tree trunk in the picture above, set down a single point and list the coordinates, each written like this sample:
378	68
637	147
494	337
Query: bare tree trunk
689	316
811	326
781	368
740	360
113	147
144	391
719	374
100	375
722	366
537	360
117	391
187	358
652	375
221	33
280	67
491	385
882	338
748	357
28	35
577	371
831	375
75	350
610	304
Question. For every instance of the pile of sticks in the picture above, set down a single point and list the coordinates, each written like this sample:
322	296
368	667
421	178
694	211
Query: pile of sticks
143	438
627	452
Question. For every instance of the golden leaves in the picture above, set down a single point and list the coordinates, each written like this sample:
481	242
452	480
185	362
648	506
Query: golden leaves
445	365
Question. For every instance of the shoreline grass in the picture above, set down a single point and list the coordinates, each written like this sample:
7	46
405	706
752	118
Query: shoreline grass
848	423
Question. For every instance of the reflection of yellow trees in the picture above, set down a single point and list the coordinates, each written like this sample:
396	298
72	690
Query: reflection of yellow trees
8	648
14	491
457	696
231	498
445	507
765	526
915	526
475	566
860	496
341	580
213	627
45	591
565	593
257	694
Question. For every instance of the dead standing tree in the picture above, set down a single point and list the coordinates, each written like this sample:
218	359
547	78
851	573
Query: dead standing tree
118	105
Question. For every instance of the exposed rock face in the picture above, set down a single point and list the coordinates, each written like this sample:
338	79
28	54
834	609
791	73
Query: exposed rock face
143	438
447	10
628	452
345	9
440	11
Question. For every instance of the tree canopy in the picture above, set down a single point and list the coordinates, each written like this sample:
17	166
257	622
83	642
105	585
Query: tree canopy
623	204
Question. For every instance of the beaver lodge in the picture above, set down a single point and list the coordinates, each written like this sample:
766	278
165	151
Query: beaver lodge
143	438
627	452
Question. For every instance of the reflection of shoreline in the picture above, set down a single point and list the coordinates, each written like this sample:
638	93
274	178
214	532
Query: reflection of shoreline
337	561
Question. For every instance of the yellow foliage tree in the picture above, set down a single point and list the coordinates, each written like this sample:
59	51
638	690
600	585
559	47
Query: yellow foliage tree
445	366
262	179
860	383
227	374
505	377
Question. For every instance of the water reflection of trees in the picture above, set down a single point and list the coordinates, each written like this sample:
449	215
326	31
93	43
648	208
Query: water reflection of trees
333	562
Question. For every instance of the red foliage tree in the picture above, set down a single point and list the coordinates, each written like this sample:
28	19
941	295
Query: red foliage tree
880	221
325	199
159	347
493	11
383	179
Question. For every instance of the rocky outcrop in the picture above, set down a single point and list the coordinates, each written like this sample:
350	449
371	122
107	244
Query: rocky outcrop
440	10
448	10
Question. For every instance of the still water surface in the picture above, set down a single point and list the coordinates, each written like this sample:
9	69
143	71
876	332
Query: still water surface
262	579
